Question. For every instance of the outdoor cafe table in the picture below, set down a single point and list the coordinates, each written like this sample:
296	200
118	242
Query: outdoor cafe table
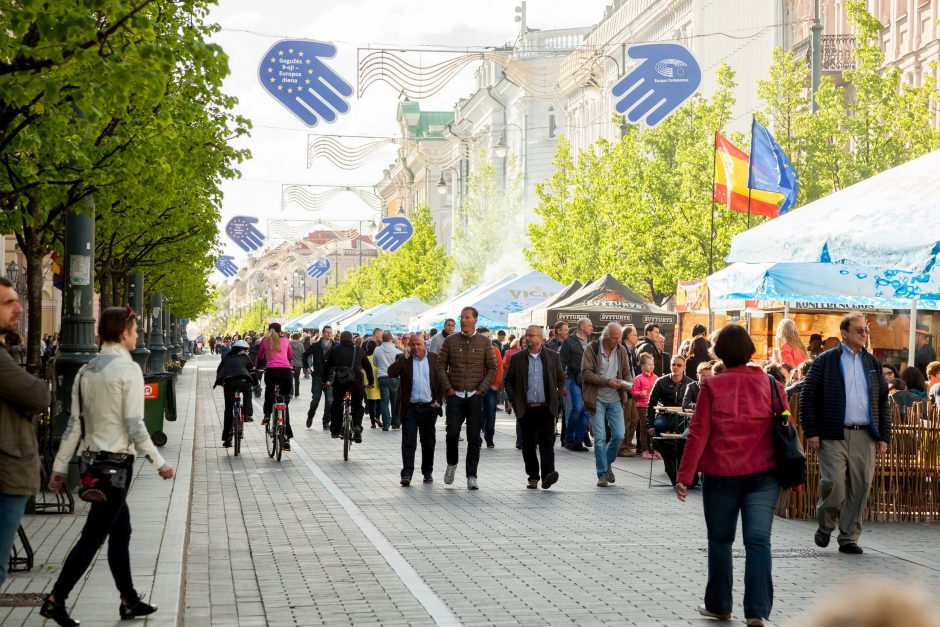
671	445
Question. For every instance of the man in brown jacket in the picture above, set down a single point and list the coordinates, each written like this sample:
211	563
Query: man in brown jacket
21	395
535	383
420	396
466	368
605	371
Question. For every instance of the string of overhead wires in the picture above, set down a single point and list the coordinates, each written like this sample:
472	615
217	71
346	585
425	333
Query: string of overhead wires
470	49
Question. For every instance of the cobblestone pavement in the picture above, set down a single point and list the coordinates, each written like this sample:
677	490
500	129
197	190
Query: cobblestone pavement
315	540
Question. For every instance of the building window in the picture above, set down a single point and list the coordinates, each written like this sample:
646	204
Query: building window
551	122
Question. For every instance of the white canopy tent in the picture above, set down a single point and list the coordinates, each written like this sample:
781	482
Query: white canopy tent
393	318
353	322
880	233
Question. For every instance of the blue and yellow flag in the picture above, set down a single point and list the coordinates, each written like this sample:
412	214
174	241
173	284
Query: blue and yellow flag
770	168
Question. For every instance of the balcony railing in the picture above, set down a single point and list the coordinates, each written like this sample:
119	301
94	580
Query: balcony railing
835	52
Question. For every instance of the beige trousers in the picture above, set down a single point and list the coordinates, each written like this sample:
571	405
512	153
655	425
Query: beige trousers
846	470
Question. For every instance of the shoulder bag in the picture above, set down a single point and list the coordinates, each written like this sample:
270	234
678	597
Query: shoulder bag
102	475
347	375
790	470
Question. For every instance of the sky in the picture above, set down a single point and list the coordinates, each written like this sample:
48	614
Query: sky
278	140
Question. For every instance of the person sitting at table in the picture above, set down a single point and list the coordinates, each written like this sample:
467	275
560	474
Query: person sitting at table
668	391
702	372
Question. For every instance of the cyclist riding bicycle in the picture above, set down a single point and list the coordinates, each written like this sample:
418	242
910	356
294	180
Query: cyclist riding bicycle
348	361
234	375
276	354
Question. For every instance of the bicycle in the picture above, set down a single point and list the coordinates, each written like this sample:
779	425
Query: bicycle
348	428
274	432
238	423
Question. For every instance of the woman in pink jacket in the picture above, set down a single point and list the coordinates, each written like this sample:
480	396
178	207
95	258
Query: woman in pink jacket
730	441
276	356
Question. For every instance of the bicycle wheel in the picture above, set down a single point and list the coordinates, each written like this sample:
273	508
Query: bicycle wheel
347	434
278	434
269	435
237	426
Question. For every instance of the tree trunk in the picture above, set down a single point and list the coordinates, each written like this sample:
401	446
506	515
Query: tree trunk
104	286
119	289
34	282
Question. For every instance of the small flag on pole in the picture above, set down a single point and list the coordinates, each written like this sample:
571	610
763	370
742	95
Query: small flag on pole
731	168
770	168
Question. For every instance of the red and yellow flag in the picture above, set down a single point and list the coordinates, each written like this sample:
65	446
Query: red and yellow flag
731	166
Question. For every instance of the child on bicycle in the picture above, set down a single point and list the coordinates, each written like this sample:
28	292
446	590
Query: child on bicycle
235	375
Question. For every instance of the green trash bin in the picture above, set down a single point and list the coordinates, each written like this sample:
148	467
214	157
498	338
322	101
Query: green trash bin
159	404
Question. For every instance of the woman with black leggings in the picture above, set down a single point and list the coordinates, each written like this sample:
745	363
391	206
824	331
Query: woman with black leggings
275	354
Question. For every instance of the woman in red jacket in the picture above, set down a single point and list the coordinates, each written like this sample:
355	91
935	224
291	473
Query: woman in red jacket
730	442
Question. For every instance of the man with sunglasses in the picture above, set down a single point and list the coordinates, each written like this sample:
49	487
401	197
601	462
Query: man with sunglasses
844	411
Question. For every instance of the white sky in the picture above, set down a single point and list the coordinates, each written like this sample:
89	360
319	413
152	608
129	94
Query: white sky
279	140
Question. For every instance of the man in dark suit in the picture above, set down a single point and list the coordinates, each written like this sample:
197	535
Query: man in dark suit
535	384
420	399
315	357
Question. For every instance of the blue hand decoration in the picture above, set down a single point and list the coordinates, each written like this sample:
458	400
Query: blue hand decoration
243	232
319	268
668	75
294	73
397	231
226	265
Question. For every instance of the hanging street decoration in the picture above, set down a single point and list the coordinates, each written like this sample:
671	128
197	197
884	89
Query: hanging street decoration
396	232
666	78
226	265
294	73
319	268
243	232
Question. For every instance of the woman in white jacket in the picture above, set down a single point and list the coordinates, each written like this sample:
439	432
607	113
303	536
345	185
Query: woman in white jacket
109	393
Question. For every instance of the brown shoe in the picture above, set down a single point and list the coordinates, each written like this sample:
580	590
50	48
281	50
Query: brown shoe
405	481
428	478
549	480
533	484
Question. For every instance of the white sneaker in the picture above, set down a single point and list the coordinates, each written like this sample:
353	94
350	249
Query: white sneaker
472	483
449	474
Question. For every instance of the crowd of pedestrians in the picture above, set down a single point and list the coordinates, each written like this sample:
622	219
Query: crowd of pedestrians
609	392
616	392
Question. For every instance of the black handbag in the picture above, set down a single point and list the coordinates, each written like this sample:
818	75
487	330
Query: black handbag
790	470
102	475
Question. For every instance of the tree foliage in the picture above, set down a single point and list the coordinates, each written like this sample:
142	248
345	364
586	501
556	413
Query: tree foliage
419	268
120	104
639	208
490	221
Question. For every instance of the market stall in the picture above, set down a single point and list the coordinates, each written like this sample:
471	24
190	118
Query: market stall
608	300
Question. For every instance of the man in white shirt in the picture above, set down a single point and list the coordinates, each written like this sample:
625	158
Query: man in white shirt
419	405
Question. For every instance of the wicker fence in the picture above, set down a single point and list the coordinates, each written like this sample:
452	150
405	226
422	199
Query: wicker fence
906	486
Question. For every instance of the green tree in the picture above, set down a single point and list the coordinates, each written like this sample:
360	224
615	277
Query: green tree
104	102
639	208
419	268
490	221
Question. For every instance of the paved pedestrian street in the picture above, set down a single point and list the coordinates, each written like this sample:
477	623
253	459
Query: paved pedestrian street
315	540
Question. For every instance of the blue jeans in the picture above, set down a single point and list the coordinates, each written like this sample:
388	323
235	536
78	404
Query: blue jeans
489	415
579	417
388	388
755	496
605	452
12	507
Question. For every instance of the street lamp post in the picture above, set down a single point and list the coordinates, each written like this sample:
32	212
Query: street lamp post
78	322
284	296
157	347
135	297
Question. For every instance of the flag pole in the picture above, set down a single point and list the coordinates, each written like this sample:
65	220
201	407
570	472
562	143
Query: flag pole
711	233
749	166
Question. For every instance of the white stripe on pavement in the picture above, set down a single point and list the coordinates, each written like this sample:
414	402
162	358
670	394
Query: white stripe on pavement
406	573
